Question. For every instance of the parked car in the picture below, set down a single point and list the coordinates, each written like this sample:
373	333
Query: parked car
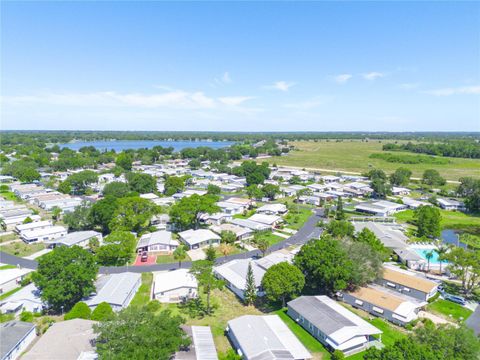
455	298
144	257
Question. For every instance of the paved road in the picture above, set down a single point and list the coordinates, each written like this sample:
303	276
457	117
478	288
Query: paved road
308	231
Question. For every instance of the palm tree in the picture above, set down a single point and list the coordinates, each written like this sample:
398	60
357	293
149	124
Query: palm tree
441	251
180	254
428	256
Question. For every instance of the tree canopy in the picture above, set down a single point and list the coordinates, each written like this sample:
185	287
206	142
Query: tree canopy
283	281
118	249
65	276
185	212
133	214
427	219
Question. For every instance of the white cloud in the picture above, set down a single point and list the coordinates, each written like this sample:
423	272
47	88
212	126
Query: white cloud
280	85
234	100
342	78
464	90
309	103
176	99
222	80
226	78
373	75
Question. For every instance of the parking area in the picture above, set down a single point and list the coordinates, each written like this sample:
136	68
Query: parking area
152	259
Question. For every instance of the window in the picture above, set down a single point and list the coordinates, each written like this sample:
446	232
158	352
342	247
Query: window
406	289
391	284
358	302
377	309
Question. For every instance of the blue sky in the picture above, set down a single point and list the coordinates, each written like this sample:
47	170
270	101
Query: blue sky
244	66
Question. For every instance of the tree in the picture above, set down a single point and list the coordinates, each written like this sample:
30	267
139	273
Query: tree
250	293
428	256
203	272
79	311
79	219
432	177
442	252
339	213
65	276
367	263
185	213
180	254
465	264
173	185
228	237
270	191
56	212
283	281
213	189
225	249
133	214
379	183
325	265
427	219
103	312
65	187
137	333
102	212
340	228
401	177
23	170
142	183
254	192
337	355
194	164
118	249
211	254
27	220
367	236
404	349
261	242
81	180
116	189
469	188
125	161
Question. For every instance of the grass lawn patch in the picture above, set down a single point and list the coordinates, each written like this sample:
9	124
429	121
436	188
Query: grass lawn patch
391	333
354	156
142	296
8	195
295	219
167	259
272	239
5	267
8	293
312	344
8	237
447	308
21	249
227	306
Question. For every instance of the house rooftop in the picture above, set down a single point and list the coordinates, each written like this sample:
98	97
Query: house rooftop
193	237
12	333
161	237
408	279
116	288
169	280
266	337
74	238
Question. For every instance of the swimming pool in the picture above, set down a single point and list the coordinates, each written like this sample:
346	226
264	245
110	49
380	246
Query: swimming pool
423	253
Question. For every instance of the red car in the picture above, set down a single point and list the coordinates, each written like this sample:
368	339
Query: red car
144	257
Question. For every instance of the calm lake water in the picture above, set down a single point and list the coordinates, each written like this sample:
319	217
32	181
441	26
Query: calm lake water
119	145
451	237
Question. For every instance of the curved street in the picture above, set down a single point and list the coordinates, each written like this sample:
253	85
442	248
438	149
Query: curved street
308	231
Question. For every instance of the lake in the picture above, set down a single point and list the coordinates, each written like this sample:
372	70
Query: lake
120	145
450	237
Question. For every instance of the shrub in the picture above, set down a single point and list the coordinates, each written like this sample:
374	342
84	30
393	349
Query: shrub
103	312
79	311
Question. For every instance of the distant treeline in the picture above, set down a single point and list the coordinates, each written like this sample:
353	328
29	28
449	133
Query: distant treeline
409	159
459	148
13	137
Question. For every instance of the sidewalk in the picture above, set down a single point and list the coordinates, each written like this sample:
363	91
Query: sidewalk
38	254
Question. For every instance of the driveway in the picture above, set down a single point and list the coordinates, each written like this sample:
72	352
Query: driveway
307	232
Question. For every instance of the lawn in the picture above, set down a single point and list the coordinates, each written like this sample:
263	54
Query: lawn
8	237
5	267
8	195
272	239
8	293
227	307
454	220
312	344
353	156
447	308
21	249
167	259
142	296
295	219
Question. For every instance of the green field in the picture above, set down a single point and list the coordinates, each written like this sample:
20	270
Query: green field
353	156
449	309
454	220
21	249
296	218
142	297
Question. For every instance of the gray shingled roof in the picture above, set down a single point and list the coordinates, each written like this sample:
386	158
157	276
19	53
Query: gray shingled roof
319	314
11	333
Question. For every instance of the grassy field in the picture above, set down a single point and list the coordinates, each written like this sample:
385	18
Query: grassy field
447	308
167	259
142	296
8	237
8	195
11	292
272	239
296	219
450	220
353	156
21	249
